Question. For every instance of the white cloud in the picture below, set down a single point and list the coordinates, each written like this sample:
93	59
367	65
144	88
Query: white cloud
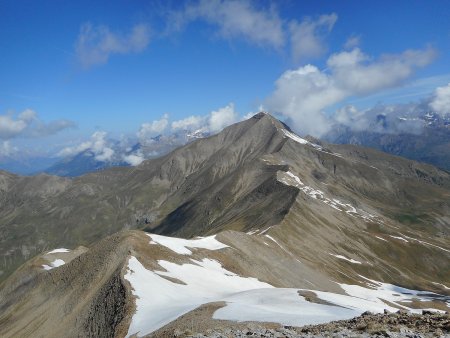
6	149
352	117
257	24
95	44
27	124
390	119
354	72
222	118
152	129
248	115
307	37
352	42
28	115
302	94
235	19
440	101
10	128
214	122
98	144
40	129
133	159
190	123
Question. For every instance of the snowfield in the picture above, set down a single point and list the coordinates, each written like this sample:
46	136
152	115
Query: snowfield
160	300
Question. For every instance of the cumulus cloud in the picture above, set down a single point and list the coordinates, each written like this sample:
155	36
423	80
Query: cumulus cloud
95	44
352	42
152	129
350	116
190	123
235	19
213	122
6	149
222	118
303	94
10	128
440	101
27	124
98	144
134	159
307	37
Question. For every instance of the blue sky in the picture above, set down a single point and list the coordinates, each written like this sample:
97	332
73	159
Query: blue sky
84	66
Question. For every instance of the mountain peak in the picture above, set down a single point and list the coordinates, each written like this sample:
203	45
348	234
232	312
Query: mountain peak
266	116
260	115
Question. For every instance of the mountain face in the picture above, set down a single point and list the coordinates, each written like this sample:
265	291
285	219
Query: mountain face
423	137
285	222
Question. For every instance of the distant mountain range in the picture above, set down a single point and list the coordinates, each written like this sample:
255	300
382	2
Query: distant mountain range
87	161
418	135
421	136
253	224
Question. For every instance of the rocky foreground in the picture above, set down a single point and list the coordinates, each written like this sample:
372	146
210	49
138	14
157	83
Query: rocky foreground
399	324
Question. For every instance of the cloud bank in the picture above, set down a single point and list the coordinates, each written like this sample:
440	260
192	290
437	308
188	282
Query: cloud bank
303	94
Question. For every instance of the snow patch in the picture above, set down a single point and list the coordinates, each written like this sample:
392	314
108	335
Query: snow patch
379	291
181	246
58	251
294	137
381	238
54	264
346	259
400	238
288	178
284	306
425	243
444	286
